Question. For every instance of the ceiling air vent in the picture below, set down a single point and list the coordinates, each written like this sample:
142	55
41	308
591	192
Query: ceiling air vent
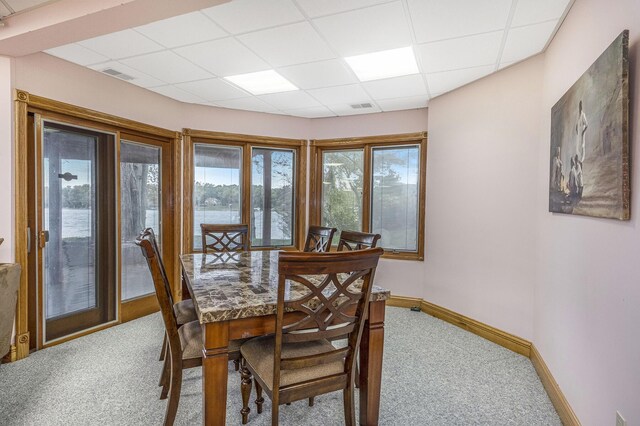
361	106
117	74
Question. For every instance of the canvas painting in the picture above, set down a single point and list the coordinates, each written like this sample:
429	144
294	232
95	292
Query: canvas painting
589	169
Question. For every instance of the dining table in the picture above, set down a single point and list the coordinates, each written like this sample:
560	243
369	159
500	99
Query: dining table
235	297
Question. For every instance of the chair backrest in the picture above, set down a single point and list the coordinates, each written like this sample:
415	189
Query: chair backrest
353	240
147	242
331	306
319	239
224	238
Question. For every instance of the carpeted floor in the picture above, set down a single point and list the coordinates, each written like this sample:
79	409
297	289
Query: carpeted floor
434	374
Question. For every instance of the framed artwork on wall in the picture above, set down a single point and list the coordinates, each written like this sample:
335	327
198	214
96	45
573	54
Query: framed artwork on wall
589	161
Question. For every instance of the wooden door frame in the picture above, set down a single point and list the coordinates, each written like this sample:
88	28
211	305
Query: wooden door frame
24	102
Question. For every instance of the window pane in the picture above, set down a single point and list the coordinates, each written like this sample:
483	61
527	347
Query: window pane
342	177
70	207
394	199
140	197
216	188
272	184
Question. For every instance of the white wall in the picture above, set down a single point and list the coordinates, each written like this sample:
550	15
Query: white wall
588	289
6	160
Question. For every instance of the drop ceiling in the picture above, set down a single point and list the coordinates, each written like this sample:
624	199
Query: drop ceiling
10	7
455	42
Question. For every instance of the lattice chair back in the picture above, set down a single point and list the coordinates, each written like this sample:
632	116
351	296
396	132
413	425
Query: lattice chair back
224	238
353	240
319	239
335	289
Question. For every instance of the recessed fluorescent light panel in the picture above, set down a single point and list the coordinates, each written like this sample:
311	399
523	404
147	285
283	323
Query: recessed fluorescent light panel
384	64
262	82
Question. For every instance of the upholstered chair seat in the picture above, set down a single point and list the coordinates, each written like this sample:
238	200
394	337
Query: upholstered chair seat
191	341
185	311
258	353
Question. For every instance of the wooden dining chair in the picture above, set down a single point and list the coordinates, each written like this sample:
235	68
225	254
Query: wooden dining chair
319	239
184	310
224	238
353	240
185	341
299	362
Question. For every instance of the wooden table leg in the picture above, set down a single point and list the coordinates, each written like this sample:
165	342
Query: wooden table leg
215	360
371	349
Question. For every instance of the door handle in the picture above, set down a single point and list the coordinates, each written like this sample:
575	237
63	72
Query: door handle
43	238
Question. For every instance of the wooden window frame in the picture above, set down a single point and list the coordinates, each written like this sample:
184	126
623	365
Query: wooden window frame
368	144
192	137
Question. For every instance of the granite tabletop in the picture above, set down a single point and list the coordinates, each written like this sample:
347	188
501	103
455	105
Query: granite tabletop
228	286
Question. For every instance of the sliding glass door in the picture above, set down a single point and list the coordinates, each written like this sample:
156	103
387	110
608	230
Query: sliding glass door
76	239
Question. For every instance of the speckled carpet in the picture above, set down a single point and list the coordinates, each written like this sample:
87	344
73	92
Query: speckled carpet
434	374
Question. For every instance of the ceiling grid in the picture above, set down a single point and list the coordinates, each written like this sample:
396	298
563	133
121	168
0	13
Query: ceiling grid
190	57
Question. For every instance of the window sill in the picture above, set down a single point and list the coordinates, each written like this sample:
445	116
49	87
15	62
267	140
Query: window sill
402	256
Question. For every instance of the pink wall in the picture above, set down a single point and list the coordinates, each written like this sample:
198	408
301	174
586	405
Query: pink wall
47	76
494	252
408	121
588	289
6	160
481	204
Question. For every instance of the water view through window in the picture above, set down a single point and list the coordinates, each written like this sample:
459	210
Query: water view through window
217	193
272	194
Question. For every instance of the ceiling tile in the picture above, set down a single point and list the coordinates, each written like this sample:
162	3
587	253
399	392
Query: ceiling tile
20	5
313	112
288	45
535	11
319	74
345	109
121	44
168	67
290	100
411	102
223	57
439	20
249	104
177	94
77	54
527	41
213	89
462	52
241	16
410	85
4	11
140	78
366	30
182	30
441	82
315	8
349	94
